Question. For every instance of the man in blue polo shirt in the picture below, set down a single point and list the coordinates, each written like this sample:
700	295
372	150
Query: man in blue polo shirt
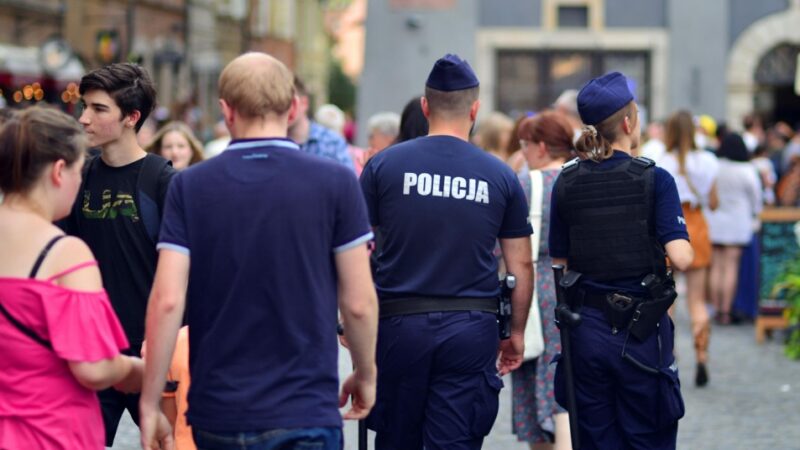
274	237
440	204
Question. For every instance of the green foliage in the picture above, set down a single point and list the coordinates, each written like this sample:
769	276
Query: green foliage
788	287
341	91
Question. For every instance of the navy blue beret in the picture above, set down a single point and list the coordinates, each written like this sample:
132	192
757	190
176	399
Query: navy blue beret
602	97
451	73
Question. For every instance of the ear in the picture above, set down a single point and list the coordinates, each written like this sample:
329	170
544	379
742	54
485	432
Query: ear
302	105
426	111
627	125
57	172
227	113
294	109
132	118
473	110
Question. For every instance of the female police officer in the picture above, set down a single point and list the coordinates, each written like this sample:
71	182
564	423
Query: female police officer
613	220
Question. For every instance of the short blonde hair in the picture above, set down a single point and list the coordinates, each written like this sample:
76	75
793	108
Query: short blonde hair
491	129
256	84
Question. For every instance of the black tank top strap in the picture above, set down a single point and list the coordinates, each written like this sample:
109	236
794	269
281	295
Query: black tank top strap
43	255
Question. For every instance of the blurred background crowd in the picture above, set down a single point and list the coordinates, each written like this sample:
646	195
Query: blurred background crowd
731	65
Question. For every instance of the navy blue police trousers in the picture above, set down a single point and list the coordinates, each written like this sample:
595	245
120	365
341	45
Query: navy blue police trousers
437	381
627	391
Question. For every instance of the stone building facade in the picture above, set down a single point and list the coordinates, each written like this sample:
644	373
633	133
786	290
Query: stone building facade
724	58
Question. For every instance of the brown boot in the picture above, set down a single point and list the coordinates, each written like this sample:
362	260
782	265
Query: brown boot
701	340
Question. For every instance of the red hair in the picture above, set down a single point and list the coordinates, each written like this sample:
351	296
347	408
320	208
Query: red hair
553	129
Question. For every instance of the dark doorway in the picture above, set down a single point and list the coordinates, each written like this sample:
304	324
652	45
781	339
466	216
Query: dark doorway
787	106
775	98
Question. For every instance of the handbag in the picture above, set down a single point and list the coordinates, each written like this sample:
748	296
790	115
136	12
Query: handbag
534	340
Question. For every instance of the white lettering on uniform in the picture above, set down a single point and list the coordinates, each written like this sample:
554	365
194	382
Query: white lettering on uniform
424	184
471	195
437	188
409	179
446	186
458	187
482	195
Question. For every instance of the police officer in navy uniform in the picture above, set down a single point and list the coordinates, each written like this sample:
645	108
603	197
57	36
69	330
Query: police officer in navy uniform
614	218
441	204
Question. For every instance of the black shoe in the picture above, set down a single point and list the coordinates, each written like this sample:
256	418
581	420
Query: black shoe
701	376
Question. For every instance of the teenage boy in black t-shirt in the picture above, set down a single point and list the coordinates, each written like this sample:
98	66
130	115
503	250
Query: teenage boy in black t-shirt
119	205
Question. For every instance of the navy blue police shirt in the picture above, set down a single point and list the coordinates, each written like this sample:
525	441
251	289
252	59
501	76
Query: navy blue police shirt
670	224
261	223
440	204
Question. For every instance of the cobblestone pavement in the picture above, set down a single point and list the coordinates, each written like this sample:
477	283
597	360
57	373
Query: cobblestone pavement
752	401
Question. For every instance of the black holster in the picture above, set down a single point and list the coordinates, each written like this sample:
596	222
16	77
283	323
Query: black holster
648	313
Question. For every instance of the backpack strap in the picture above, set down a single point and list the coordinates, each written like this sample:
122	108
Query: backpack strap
149	201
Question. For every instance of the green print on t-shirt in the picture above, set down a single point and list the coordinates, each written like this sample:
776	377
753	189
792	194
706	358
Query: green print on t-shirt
122	204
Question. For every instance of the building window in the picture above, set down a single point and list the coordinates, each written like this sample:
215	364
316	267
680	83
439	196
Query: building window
573	14
573	17
531	80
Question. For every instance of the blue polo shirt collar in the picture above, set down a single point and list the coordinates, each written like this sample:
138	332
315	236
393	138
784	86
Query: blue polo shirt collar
247	144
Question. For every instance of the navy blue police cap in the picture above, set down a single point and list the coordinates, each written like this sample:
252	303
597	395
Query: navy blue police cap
602	97
451	73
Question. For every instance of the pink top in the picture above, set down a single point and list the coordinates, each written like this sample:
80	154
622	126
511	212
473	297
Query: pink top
42	405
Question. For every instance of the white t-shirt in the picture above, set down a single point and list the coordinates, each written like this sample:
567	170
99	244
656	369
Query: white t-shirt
734	221
654	149
702	168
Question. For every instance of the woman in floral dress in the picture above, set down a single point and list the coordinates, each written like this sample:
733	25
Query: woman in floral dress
546	142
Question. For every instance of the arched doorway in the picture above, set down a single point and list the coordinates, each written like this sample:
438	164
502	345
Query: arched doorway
774	97
750	52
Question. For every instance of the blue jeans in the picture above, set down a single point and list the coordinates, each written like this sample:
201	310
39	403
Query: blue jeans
281	439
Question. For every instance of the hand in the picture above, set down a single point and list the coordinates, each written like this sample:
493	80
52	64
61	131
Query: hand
510	354
362	391
155	429
343	341
132	382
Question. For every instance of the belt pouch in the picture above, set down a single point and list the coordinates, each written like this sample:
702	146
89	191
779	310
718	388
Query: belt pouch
647	315
618	310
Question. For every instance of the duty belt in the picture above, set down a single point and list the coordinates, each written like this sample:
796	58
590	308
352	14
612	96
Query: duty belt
420	305
600	301
618	309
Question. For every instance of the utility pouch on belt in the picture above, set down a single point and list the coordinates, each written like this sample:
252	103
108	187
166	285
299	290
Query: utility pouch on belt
619	310
648	313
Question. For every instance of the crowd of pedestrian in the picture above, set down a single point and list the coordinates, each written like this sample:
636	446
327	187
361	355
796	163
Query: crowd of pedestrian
138	258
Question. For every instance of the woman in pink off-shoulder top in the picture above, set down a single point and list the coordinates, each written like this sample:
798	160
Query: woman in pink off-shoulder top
59	338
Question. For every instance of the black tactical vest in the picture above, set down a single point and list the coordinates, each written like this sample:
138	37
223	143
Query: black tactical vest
611	218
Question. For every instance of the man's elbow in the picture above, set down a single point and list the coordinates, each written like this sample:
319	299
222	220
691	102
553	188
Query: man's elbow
522	267
164	302
362	308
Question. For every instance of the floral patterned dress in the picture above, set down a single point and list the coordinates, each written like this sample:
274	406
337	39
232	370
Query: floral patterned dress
533	401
